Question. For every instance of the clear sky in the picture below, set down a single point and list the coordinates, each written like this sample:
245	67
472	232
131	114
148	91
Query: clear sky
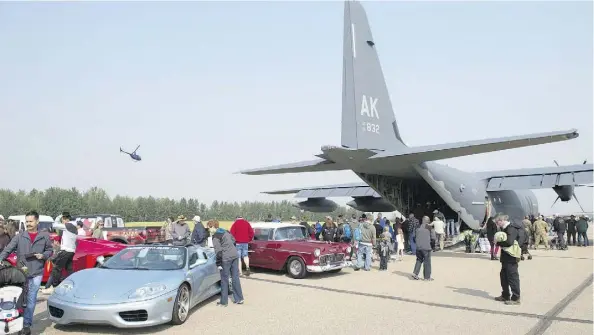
210	88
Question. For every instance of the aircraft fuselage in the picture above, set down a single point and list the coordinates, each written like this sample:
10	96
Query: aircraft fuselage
465	194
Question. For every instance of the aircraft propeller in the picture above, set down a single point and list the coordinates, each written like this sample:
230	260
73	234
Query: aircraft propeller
572	190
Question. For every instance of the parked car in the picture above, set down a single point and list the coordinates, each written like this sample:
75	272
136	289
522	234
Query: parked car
114	229
285	246
89	253
155	284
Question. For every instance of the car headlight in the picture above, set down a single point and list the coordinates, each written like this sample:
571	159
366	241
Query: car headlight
64	287
148	291
348	250
317	252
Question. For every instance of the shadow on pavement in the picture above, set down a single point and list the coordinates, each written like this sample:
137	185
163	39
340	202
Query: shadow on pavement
471	292
407	275
309	276
92	329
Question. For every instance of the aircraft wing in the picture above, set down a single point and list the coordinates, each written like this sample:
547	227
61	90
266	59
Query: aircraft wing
316	165
536	178
340	190
458	149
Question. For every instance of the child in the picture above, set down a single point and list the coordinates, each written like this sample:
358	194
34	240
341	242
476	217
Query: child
384	248
400	244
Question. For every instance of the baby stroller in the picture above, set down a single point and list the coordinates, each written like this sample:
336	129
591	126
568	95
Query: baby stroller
13	283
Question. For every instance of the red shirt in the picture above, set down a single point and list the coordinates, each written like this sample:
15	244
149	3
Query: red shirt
242	231
32	236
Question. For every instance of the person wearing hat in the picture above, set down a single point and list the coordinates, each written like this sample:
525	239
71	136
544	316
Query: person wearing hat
180	232
228	263
199	234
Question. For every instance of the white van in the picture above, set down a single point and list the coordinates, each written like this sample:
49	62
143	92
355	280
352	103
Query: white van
45	222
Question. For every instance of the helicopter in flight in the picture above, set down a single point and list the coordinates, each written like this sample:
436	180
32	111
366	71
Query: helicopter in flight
133	155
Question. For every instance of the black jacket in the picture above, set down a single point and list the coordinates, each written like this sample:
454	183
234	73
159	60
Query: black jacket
512	231
199	234
560	226
378	230
328	234
571	225
491	229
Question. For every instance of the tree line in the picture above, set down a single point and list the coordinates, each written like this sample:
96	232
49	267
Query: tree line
53	201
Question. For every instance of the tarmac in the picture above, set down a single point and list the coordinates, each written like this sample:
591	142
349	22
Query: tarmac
556	297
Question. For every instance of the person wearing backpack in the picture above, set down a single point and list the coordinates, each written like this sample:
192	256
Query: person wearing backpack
509	276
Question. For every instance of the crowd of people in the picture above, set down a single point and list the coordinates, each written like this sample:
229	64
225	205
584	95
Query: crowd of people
370	238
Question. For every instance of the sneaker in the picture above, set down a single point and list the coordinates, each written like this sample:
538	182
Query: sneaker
25	331
240	302
247	272
501	298
415	277
221	305
47	291
429	279
512	302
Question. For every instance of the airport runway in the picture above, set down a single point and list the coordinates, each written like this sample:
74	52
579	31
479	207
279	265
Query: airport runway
556	299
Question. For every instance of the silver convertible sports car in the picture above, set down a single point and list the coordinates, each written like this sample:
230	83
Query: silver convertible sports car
142	285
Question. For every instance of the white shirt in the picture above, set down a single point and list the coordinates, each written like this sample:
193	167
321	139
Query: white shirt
68	242
82	232
439	227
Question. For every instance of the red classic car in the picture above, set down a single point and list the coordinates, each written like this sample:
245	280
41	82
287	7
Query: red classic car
87	251
114	229
280	246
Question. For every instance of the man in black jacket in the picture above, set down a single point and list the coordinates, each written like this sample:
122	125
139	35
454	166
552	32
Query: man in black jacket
509	275
560	227
571	231
199	234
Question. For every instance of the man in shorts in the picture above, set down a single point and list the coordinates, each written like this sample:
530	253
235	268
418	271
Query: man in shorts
243	233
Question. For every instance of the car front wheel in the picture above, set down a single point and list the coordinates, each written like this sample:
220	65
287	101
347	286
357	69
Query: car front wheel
296	268
181	308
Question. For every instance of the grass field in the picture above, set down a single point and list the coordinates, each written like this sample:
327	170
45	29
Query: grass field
222	224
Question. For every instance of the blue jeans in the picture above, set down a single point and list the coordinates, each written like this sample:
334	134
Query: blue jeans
413	244
364	250
230	268
583	239
33	285
242	250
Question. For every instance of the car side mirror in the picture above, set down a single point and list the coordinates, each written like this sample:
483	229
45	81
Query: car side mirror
198	262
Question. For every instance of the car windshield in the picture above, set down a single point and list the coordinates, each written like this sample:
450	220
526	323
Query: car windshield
289	233
148	258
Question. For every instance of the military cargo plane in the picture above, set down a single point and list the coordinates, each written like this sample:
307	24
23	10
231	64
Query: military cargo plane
398	177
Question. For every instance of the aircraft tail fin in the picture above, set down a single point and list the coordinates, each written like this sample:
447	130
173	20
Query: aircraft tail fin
368	121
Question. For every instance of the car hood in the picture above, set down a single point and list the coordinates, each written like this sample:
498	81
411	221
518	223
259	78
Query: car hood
311	245
105	286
